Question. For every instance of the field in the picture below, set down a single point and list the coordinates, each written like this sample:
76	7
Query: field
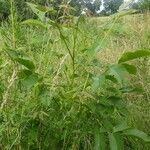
71	87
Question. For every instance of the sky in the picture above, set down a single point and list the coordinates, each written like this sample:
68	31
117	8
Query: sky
102	6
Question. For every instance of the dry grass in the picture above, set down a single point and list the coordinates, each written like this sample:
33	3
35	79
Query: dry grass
138	38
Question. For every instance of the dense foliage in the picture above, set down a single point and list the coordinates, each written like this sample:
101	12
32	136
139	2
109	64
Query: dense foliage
57	93
142	5
4	9
112	6
74	7
24	12
145	4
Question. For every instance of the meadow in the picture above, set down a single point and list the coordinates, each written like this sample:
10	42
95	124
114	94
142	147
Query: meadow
80	85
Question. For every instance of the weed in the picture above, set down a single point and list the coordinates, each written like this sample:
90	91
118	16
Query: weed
57	93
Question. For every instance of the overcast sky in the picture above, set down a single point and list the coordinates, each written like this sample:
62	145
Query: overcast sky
102	7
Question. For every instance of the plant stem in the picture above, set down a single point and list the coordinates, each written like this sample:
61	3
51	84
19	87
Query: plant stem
12	10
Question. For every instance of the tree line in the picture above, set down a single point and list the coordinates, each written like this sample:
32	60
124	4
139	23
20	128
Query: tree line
73	7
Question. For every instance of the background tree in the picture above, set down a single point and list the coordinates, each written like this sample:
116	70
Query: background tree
93	6
140	5
80	5
97	4
112	6
77	5
146	5
24	11
4	9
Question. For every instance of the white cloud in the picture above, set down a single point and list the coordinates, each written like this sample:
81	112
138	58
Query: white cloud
102	6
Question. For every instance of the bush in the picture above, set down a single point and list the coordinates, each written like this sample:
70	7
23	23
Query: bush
142	5
4	10
56	94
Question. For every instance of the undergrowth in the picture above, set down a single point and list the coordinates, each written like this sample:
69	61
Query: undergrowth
61	86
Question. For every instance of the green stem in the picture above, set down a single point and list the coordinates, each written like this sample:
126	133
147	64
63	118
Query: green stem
12	10
72	55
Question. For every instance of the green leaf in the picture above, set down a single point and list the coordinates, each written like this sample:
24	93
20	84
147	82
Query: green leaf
120	127
112	89
30	80
111	78
21	59
98	82
133	55
38	10
24	73
114	99
108	123
130	68
13	54
43	8
54	24
100	140
94	49
119	72
115	141
137	133
130	89
26	62
112	142
34	22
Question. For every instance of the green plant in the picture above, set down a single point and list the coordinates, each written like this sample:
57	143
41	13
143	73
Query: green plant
56	94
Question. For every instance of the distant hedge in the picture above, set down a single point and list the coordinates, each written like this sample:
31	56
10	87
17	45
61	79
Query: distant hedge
23	11
4	9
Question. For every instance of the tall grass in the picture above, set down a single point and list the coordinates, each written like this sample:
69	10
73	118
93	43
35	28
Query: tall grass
62	86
